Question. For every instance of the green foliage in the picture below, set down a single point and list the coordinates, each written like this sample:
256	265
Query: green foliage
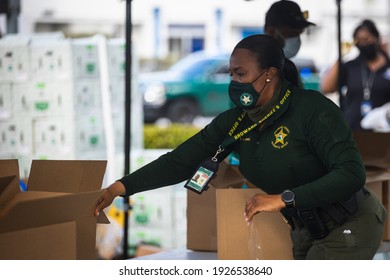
168	137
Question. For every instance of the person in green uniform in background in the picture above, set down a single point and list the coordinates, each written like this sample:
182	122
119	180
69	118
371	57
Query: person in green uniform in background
293	143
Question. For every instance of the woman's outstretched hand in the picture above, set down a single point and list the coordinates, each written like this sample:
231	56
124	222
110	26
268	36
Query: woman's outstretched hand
114	190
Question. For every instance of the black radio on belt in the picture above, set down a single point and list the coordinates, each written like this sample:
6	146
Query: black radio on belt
313	222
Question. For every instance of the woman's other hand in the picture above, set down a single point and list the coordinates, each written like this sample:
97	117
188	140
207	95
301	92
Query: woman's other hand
262	203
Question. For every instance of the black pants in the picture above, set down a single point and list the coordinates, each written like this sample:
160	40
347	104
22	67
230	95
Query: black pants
358	238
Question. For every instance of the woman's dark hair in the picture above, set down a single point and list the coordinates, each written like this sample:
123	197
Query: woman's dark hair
370	26
269	54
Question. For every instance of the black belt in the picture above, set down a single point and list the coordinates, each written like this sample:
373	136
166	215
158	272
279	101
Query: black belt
339	211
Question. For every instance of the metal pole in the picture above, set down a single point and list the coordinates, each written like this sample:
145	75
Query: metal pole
338	3
13	15
127	141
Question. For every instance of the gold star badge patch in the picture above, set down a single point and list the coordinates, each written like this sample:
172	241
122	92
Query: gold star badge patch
280	137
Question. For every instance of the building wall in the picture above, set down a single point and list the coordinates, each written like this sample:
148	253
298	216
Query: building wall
154	22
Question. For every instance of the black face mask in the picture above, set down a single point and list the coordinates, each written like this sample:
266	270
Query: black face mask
244	95
369	52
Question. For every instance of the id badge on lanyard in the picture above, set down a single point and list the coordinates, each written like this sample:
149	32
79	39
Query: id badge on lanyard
366	105
206	171
367	82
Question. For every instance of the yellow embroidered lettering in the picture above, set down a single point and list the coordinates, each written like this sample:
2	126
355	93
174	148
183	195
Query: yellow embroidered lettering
233	129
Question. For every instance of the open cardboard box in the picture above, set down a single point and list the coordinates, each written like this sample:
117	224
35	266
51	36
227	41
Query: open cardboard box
215	221
54	218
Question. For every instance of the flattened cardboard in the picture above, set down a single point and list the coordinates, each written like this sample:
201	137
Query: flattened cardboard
40	214
267	238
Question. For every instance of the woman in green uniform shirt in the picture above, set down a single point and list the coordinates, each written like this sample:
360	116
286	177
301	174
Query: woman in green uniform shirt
294	144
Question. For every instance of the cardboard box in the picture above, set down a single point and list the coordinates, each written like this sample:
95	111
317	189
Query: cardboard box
375	150
267	238
376	180
379	182
202	220
144	250
202	210
215	221
386	203
54	218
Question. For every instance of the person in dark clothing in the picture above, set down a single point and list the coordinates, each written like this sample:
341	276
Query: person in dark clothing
365	80
294	144
285	21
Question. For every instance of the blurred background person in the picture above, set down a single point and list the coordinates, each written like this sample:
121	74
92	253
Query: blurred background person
364	82
285	21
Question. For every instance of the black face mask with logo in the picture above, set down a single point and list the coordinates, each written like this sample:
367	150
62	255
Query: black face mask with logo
369	51
244	95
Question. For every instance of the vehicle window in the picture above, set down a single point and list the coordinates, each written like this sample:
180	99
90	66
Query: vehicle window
196	62
192	68
223	69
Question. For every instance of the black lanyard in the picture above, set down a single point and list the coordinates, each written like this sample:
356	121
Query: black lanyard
367	82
